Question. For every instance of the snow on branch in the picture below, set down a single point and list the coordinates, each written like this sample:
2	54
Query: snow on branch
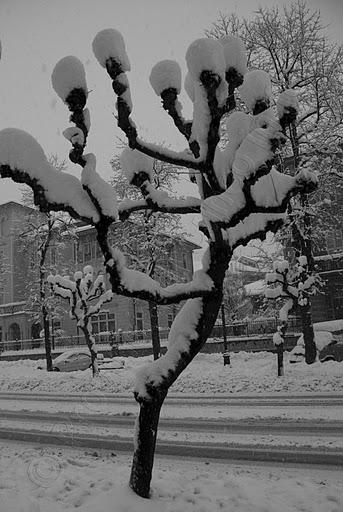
23	160
101	193
69	82
110	52
165	79
182	333
133	283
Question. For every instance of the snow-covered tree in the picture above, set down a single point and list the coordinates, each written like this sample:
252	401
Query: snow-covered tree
42	237
290	44
86	294
241	195
294	287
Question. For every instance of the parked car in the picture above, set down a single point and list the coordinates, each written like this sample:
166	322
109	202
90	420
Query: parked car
73	360
328	348
332	352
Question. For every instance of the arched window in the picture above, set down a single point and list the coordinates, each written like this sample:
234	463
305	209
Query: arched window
14	332
35	331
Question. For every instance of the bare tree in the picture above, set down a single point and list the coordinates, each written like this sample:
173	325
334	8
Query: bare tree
42	238
241	195
81	293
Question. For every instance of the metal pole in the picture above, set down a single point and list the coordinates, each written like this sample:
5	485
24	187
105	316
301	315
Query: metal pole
225	341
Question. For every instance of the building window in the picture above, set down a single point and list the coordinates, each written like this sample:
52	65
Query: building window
139	321
103	322
87	251
14	332
87	256
185	260
170	320
0	333
53	256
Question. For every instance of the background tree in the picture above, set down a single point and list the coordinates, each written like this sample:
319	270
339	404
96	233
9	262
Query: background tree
42	238
290	45
296	285
241	196
148	238
81	292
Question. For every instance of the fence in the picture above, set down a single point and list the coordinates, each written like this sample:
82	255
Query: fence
236	329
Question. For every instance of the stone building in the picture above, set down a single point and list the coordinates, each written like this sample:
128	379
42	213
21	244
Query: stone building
123	314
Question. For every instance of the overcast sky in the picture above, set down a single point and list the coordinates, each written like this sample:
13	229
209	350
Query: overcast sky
35	34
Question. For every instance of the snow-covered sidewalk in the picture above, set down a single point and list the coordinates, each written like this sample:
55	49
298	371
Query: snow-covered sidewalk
64	480
248	373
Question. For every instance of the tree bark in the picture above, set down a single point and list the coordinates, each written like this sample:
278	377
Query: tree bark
47	339
308	333
144	445
279	351
93	353
150	405
155	333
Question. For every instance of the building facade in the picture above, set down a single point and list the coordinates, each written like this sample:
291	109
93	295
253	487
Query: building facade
122	314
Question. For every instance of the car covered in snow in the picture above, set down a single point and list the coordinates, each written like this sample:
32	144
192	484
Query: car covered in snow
80	359
329	348
73	360
332	352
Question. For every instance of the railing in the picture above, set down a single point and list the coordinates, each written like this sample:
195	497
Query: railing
256	327
251	328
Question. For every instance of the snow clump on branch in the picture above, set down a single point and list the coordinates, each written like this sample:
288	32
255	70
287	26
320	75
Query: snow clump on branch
205	55
189	86
101	191
110	44
166	74
234	53
134	163
286	100
256	87
68	74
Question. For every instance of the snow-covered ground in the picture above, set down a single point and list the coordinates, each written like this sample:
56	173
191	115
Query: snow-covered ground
38	478
248	373
35	479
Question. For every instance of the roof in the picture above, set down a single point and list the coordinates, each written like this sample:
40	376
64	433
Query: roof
15	204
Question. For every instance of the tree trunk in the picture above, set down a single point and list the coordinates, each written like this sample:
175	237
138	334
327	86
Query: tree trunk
308	333
279	351
93	353
155	333
47	339
147	421
144	446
